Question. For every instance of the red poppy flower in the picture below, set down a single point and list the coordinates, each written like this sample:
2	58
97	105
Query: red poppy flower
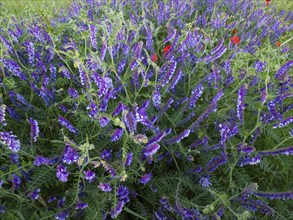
268	2
154	57
166	49
235	40
278	43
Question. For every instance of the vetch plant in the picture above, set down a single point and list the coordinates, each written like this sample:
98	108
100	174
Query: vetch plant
149	110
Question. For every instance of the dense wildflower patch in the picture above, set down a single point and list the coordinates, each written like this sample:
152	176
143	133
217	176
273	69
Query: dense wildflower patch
149	110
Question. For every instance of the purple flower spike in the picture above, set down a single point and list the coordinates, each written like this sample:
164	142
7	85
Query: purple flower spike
89	175
249	160
284	122
72	92
41	160
118	209
259	66
67	124
62	215
93	31
35	194
61	173
146	178
285	151
151	149
117	134
93	110
80	205
70	155
196	93
277	195
2	114
156	98
104	121
283	69
34	129
10	140
16	181
128	159
105	187
240	103
180	137
14	68
122	193
205	181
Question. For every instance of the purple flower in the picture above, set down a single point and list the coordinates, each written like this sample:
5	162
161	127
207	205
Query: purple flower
283	69
61	173
151	149
205	181
276	195
121	66
246	149
118	209
130	121
285	151
16	181
156	97
62	215
215	162
253	205
93	36
2	114
128	159
120	107
89	175
70	155
217	55
93	110
14	68
51	199
67	124
249	160
42	160
103	50
180	137
175	80
2	209
122	193
284	122
1	182
259	66
72	92
106	154
83	76
104	121
35	194
203	142
167	77
117	134
105	187
10	140
157	138
34	129
80	205
240	103
31	52
196	93
145	178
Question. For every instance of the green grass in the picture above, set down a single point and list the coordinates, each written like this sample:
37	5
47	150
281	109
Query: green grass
29	7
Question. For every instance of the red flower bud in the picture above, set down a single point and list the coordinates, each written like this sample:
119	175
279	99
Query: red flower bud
166	49
235	40
154	57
